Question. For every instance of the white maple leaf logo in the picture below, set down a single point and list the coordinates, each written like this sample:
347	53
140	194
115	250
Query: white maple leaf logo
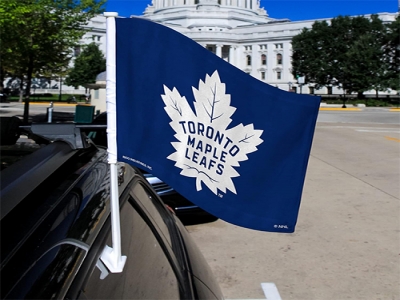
206	149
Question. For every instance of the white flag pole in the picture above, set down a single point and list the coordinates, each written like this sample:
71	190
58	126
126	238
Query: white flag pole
112	256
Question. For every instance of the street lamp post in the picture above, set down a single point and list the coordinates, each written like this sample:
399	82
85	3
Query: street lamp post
60	93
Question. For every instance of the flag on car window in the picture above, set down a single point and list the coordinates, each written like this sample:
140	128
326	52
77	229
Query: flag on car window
232	144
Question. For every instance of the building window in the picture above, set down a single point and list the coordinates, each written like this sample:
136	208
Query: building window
263	59
96	94
262	75
279	46
279	59
211	48
311	90
329	90
248	59
96	38
77	51
279	75
247	48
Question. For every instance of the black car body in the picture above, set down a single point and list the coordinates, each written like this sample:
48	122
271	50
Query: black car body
55	224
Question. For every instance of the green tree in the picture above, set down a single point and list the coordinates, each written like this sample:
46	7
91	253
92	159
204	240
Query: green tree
365	58
310	59
87	66
347	52
392	54
38	35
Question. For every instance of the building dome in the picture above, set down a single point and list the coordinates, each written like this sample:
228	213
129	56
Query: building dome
199	13
199	4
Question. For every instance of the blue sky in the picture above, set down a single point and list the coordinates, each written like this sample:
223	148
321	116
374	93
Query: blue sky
292	9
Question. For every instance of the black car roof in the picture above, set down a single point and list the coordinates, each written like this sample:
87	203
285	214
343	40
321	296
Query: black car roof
20	179
23	177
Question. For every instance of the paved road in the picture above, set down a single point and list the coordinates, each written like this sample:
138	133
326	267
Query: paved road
347	241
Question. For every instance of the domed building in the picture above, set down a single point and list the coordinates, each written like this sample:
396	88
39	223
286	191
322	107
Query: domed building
242	33
239	31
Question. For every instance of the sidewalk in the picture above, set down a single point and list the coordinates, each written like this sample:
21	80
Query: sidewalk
351	107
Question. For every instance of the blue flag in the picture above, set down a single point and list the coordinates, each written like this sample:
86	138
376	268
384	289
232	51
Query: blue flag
231	144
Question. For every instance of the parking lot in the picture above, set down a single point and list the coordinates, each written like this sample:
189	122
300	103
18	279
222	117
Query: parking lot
347	241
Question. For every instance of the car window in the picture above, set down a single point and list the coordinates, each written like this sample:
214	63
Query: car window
45	278
147	273
154	208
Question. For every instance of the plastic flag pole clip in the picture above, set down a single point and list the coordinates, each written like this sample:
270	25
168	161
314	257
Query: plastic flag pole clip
112	257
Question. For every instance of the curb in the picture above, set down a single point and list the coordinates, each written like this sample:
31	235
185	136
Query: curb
339	108
58	104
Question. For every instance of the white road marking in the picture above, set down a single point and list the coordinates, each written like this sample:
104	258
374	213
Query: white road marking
365	129
358	127
270	291
377	130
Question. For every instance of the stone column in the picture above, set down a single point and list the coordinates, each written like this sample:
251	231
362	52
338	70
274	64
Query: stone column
232	54
271	62
255	61
218	51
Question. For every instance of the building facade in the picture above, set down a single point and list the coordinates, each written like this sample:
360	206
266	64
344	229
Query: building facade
242	33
